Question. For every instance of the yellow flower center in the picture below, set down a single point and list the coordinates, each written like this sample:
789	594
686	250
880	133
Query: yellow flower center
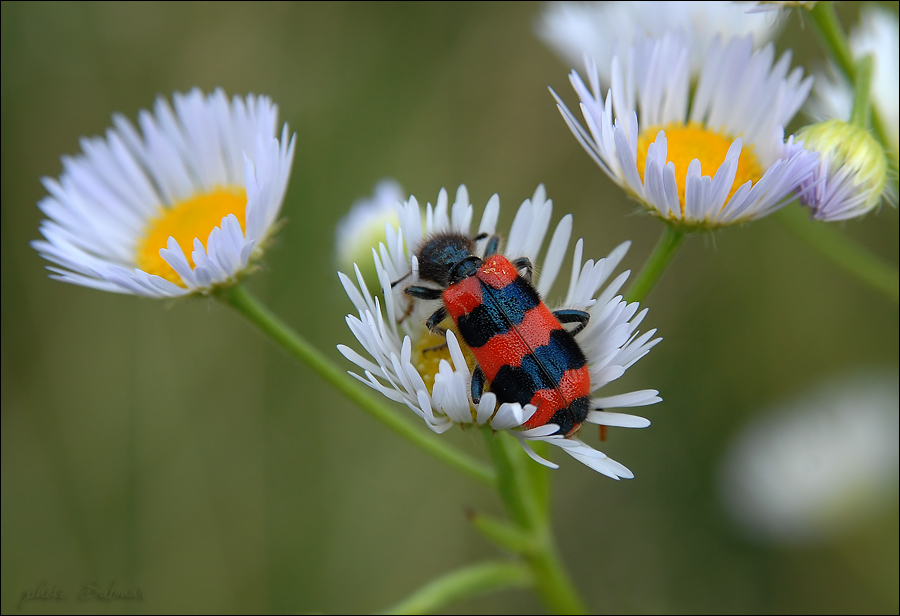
429	350
687	142
192	218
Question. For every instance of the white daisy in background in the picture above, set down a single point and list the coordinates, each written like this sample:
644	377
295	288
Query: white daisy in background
183	207
878	33
407	364
762	7
363	226
720	160
819	465
600	30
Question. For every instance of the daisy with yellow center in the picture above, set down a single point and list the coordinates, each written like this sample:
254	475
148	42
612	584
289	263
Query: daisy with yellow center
720	159
182	207
432	374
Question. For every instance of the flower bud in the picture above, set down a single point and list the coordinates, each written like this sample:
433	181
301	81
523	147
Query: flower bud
852	172
363	226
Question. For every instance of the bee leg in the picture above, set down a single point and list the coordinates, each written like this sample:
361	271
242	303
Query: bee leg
434	322
573	316
423	292
477	384
525	264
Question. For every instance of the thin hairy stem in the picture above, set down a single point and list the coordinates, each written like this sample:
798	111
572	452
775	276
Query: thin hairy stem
656	264
834	41
462	584
850	256
861	92
281	334
523	501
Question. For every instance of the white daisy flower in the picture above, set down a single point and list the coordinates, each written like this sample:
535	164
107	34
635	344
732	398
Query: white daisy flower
818	465
600	30
182	207
408	364
769	6
363	226
717	161
878	33
832	96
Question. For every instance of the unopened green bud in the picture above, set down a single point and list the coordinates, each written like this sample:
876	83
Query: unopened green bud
363	228
852	173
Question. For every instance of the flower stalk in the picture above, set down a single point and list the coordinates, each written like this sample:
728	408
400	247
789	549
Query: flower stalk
834	41
523	497
522	488
281	334
853	258
462	584
861	94
656	264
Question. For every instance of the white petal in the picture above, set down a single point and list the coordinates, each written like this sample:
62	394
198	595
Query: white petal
635	398
555	255
486	407
617	420
106	198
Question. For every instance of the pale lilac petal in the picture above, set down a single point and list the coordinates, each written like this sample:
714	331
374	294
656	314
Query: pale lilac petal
741	92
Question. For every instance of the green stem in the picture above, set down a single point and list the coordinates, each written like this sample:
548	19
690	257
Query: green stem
653	269
832	36
539	475
462	584
552	581
279	332
507	535
843	251
523	503
862	88
834	40
512	482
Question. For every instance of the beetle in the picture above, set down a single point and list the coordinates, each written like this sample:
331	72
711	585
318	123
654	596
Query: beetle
524	352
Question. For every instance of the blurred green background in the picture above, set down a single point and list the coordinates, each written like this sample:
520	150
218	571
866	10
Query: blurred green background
168	447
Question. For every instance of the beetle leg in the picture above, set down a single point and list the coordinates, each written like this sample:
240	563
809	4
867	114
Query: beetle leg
401	279
419	293
433	325
437	347
525	264
573	316
602	430
423	292
493	246
410	304
477	384
434	321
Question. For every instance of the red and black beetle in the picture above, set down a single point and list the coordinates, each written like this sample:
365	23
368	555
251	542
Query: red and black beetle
524	353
